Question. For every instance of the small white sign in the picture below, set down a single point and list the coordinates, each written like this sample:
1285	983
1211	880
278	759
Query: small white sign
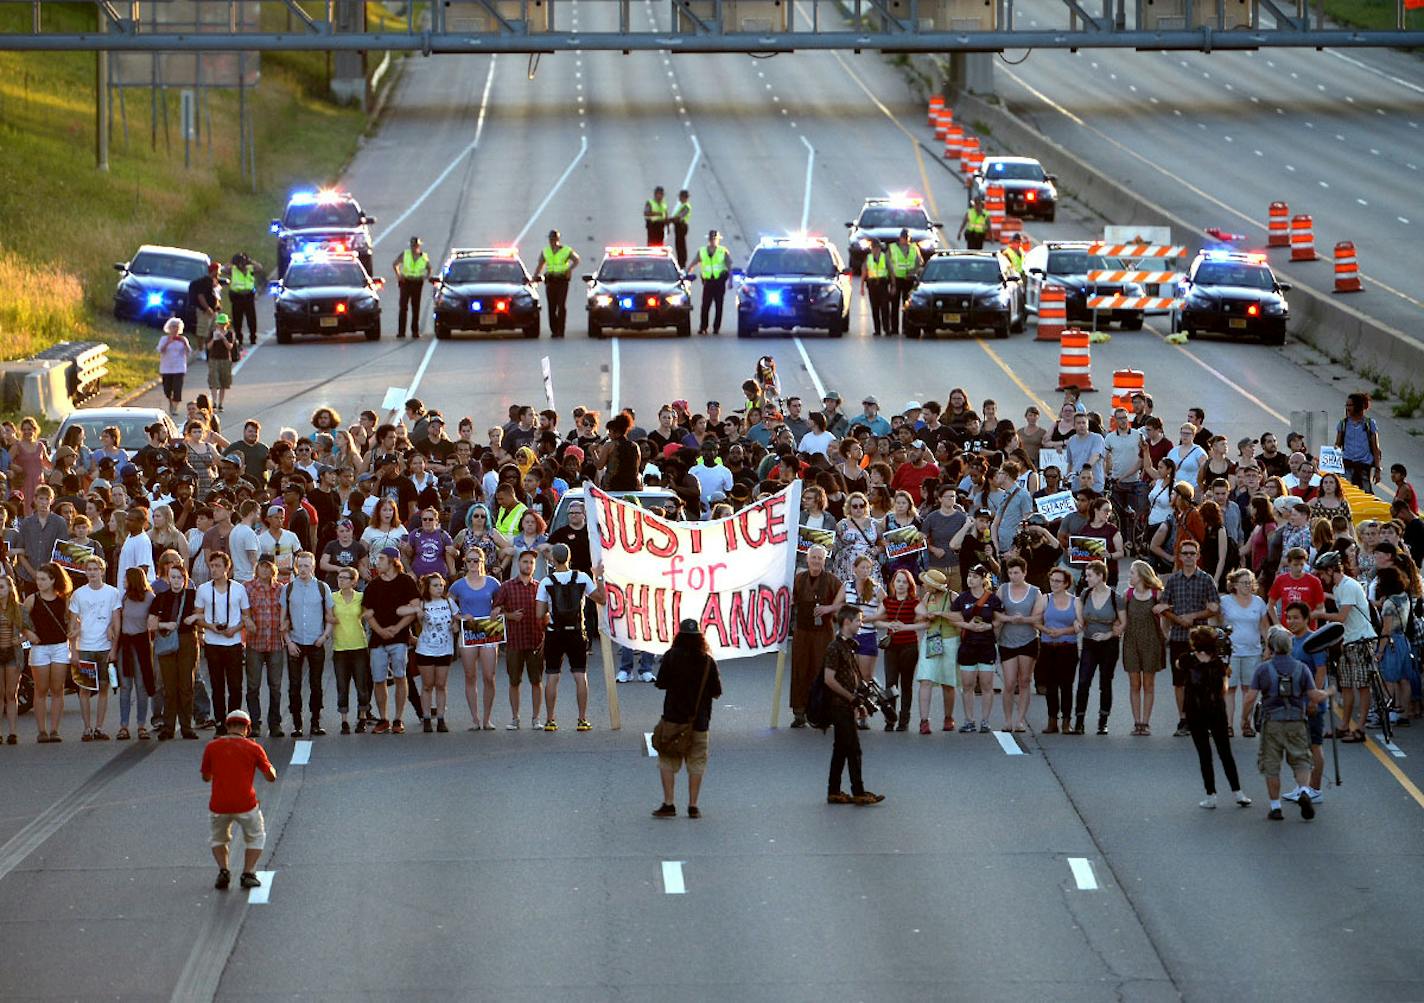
1332	460
1056	506
1054	458
394	399
548	382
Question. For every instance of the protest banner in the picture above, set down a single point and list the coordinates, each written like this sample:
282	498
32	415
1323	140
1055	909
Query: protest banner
1083	549
1332	460
478	630
808	537
1054	458
733	576
71	554
1056	506
902	541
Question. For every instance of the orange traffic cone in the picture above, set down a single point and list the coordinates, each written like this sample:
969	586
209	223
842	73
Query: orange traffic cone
936	103
954	144
1347	269
1052	313
1278	225
1075	360
1126	384
1302	238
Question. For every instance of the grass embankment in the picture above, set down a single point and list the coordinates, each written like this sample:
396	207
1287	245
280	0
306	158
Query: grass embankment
1378	15
63	224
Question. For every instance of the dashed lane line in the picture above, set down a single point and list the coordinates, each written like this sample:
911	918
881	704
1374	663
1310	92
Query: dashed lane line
673	883
1083	875
1007	743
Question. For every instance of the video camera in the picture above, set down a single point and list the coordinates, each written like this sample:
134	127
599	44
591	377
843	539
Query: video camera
1223	642
872	696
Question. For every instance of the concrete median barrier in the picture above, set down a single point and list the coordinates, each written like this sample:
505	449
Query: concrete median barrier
37	387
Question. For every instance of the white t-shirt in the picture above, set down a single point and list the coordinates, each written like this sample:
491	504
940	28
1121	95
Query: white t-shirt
435	636
1245	624
377	540
563	579
222	608
282	549
1357	625
241	542
816	442
1188	460
137	552
95	609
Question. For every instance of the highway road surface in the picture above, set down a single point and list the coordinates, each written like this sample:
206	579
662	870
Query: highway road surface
512	866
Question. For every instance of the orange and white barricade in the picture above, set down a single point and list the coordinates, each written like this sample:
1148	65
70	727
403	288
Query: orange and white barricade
936	103
1302	238
1126	384
943	119
1052	312
1010	229
994	206
1278	225
1075	360
1142	255
971	157
1347	269
954	144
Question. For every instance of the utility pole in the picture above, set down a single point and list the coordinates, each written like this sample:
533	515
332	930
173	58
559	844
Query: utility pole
101	101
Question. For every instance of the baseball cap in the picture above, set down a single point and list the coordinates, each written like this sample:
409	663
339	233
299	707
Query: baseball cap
832	395
1248	441
234	458
869	399
918	444
670	450
345	524
912	406
576	452
221	318
276	510
238	715
390	552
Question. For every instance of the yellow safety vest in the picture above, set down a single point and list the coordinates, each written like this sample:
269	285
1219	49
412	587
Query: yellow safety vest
659	210
903	262
714	265
682	214
875	266
1015	259
556	263
242	281
413	267
976	220
508	521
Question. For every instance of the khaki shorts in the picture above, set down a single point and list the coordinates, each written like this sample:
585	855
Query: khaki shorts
1290	739
696	758
522	663
219	374
254	833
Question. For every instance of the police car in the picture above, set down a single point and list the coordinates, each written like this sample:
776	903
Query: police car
485	289
639	289
965	291
153	285
1066	263
883	219
1230	292
326	293
323	220
1028	191
792	282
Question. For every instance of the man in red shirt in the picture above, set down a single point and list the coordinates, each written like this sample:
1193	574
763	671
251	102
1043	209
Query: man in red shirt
918	468
524	635
1296	585
229	763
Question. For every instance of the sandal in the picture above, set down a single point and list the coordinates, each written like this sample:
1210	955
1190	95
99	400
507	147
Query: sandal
1354	735
142	734
1231	732
123	735
1247	731
949	724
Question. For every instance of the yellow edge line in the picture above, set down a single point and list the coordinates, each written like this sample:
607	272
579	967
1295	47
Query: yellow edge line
1009	372
1398	774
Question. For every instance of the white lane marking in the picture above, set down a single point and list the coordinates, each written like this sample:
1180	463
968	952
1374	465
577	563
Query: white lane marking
648	741
614	370
301	753
394	225
806	198
692	167
1402	220
424	365
1325	184
1394	750
810	370
1362	201
1007	743
549	196
260	894
1082	869
672	878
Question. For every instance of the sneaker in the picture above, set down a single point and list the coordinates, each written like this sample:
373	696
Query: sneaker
693	811
984	728
250	880
316	730
968	728
1316	796
665	811
867	798
275	731
224	879
622	676
839	797
1291	795
427	727
398	728
1274	815
382	726
1209	801
583	725
648	677
346	727
864	724
360	727
551	725
440	727
1242	801
512	725
799	720
1182	729
1307	806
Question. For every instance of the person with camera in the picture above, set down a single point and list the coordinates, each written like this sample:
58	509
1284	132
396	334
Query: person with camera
688	676
1352	609
1288	692
842	679
1039	550
1207	677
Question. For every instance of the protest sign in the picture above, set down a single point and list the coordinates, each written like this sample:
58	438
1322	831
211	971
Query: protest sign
71	554
732	576
1083	549
85	675
902	541
1056	506
480	630
1054	458
808	537
1332	460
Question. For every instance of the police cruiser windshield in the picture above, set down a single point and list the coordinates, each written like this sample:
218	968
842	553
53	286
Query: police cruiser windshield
886	219
961	270
638	270
1229	273
1079	263
791	261
322	214
484	271
169	266
1016	172
325	274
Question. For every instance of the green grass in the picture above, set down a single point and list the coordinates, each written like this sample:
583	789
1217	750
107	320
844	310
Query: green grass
63	224
1375	14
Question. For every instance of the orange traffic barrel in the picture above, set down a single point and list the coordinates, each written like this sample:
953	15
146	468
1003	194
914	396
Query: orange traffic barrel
969	153
953	143
1075	360
1010	229
1127	383
994	206
1052	313
1347	269
944	118
1302	238
936	103
1278	225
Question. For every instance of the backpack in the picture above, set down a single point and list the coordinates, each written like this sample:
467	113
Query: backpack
565	602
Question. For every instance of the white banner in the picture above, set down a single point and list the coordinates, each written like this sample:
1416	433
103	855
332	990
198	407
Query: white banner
733	576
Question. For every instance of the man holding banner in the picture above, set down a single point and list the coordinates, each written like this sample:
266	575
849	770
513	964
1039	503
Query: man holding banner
816	596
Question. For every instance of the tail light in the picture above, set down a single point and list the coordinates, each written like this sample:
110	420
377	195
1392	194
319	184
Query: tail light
1252	310
501	306
341	308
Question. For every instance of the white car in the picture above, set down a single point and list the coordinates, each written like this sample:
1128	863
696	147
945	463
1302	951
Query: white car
1066	263
130	421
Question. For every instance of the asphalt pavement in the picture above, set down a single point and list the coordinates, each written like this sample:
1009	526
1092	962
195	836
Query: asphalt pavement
512	865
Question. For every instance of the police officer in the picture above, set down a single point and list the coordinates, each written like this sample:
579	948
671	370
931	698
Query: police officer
412	270
556	264
714	264
655	217
242	293
1014	253
681	217
905	264
875	283
974	227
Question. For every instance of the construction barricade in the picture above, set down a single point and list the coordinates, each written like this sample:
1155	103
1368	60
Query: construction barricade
1052	312
1347	269
936	104
954	144
1127	383
1144	253
994	206
944	118
1278	225
1302	238
1075	360
971	157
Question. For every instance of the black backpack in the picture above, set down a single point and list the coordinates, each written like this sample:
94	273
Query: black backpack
565	603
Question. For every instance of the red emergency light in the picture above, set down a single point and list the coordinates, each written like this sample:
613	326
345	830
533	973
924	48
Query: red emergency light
1252	310
501	306
652	301
341	308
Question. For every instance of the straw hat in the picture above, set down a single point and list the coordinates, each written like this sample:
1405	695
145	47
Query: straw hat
934	579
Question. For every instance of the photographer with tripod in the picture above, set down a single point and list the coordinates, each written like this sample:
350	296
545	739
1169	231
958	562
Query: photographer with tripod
843	679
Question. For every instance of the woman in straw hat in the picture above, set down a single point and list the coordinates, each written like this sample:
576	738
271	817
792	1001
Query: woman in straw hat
939	648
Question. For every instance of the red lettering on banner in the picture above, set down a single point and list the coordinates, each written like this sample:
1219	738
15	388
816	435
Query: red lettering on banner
677	608
766	616
658	597
659	540
776	520
743	616
615	601
712	617
631	545
696	540
636	612
744	523
605	520
729	530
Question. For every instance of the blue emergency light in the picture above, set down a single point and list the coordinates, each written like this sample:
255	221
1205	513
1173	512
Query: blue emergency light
155	299
626	302
773	297
477	305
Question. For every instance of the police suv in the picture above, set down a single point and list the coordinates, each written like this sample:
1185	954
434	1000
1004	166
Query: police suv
793	282
486	289
639	289
326	293
1230	292
883	219
323	220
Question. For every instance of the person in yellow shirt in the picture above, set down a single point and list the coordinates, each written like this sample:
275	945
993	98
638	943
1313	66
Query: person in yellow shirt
349	654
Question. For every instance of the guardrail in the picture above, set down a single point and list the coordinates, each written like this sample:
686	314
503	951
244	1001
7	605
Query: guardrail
89	365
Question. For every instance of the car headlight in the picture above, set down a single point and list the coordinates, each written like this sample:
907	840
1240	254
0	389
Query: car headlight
523	298
366	302
1198	298
1274	309
994	297
675	299
927	244
443	298
863	243
287	304
603	300
919	297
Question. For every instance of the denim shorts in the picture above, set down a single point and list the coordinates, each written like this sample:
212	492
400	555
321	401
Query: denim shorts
865	643
388	662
